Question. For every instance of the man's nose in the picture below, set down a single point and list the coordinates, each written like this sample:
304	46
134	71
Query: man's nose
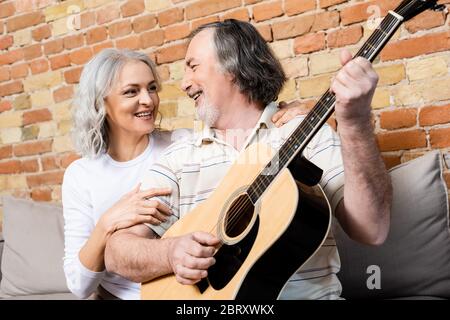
186	82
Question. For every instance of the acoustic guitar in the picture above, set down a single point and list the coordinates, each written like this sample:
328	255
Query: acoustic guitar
270	219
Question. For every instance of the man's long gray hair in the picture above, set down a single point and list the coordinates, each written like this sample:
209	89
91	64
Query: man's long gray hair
90	132
243	53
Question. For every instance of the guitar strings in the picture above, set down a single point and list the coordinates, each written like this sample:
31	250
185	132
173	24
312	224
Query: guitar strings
377	38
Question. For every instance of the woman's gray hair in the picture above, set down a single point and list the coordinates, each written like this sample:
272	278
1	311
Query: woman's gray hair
244	54
90	132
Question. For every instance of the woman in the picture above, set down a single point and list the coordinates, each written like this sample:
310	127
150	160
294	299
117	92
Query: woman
114	130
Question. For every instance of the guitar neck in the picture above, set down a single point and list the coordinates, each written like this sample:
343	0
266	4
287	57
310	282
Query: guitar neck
320	113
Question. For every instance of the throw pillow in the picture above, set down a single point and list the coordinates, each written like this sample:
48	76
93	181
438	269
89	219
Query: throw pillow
415	259
33	248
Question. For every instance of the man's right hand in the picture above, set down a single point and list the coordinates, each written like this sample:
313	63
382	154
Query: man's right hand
191	255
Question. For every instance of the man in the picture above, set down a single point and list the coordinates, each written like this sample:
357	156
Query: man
233	76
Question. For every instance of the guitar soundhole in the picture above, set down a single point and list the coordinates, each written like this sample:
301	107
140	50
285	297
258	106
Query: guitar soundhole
239	216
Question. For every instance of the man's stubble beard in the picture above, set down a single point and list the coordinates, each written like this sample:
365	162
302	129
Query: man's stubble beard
207	112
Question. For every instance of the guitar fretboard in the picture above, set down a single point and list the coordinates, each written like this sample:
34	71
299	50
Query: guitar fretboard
319	114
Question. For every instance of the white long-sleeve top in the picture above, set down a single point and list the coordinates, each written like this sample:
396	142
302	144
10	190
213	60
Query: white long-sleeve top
90	188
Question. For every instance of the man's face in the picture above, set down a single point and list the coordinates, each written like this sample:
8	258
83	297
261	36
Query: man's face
204	81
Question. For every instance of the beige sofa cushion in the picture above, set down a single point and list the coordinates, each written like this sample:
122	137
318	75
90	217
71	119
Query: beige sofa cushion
33	249
415	259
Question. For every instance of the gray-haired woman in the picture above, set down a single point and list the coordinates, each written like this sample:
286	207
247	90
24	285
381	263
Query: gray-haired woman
114	130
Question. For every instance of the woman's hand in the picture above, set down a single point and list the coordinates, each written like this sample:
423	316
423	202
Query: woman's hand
287	112
133	208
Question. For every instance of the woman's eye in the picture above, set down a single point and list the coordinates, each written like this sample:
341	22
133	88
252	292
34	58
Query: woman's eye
152	88
130	92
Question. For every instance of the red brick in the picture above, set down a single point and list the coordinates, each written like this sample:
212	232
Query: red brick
144	23
402	140
197	23
99	47
265	11
391	161
309	43
6	42
87	19
30	148
60	61
32	52
5	105
34	116
81	56
19	71
433	115
402	118
41	194
426	20
11	56
170	16
7	9
130	42
440	138
10	166
329	3
239	14
408	48
344	37
73	75
6	152
54	46
359	12
292	27
4	74
47	178
62	94
293	7
23	21
206	7
74	41
30	165
42	32
39	66
50	163
96	35
172	53
107	14
132	8
11	88
265	31
176	32
68	158
119	29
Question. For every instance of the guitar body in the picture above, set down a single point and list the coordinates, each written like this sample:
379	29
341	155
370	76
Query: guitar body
263	248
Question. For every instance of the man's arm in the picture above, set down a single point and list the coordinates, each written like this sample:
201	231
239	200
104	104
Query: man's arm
137	254
364	212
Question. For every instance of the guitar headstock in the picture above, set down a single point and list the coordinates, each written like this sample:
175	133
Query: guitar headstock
408	9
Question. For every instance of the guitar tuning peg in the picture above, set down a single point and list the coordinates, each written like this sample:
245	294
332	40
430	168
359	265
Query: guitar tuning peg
439	7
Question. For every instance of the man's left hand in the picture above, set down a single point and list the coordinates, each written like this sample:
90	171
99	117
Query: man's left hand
354	87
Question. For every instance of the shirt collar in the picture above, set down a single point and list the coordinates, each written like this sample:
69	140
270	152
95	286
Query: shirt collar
264	122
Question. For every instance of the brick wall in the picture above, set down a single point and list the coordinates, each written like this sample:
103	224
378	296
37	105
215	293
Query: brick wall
45	43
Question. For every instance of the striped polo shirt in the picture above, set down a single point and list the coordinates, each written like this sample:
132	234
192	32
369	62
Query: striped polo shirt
194	165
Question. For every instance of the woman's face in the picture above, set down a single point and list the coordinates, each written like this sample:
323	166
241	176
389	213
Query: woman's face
132	104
